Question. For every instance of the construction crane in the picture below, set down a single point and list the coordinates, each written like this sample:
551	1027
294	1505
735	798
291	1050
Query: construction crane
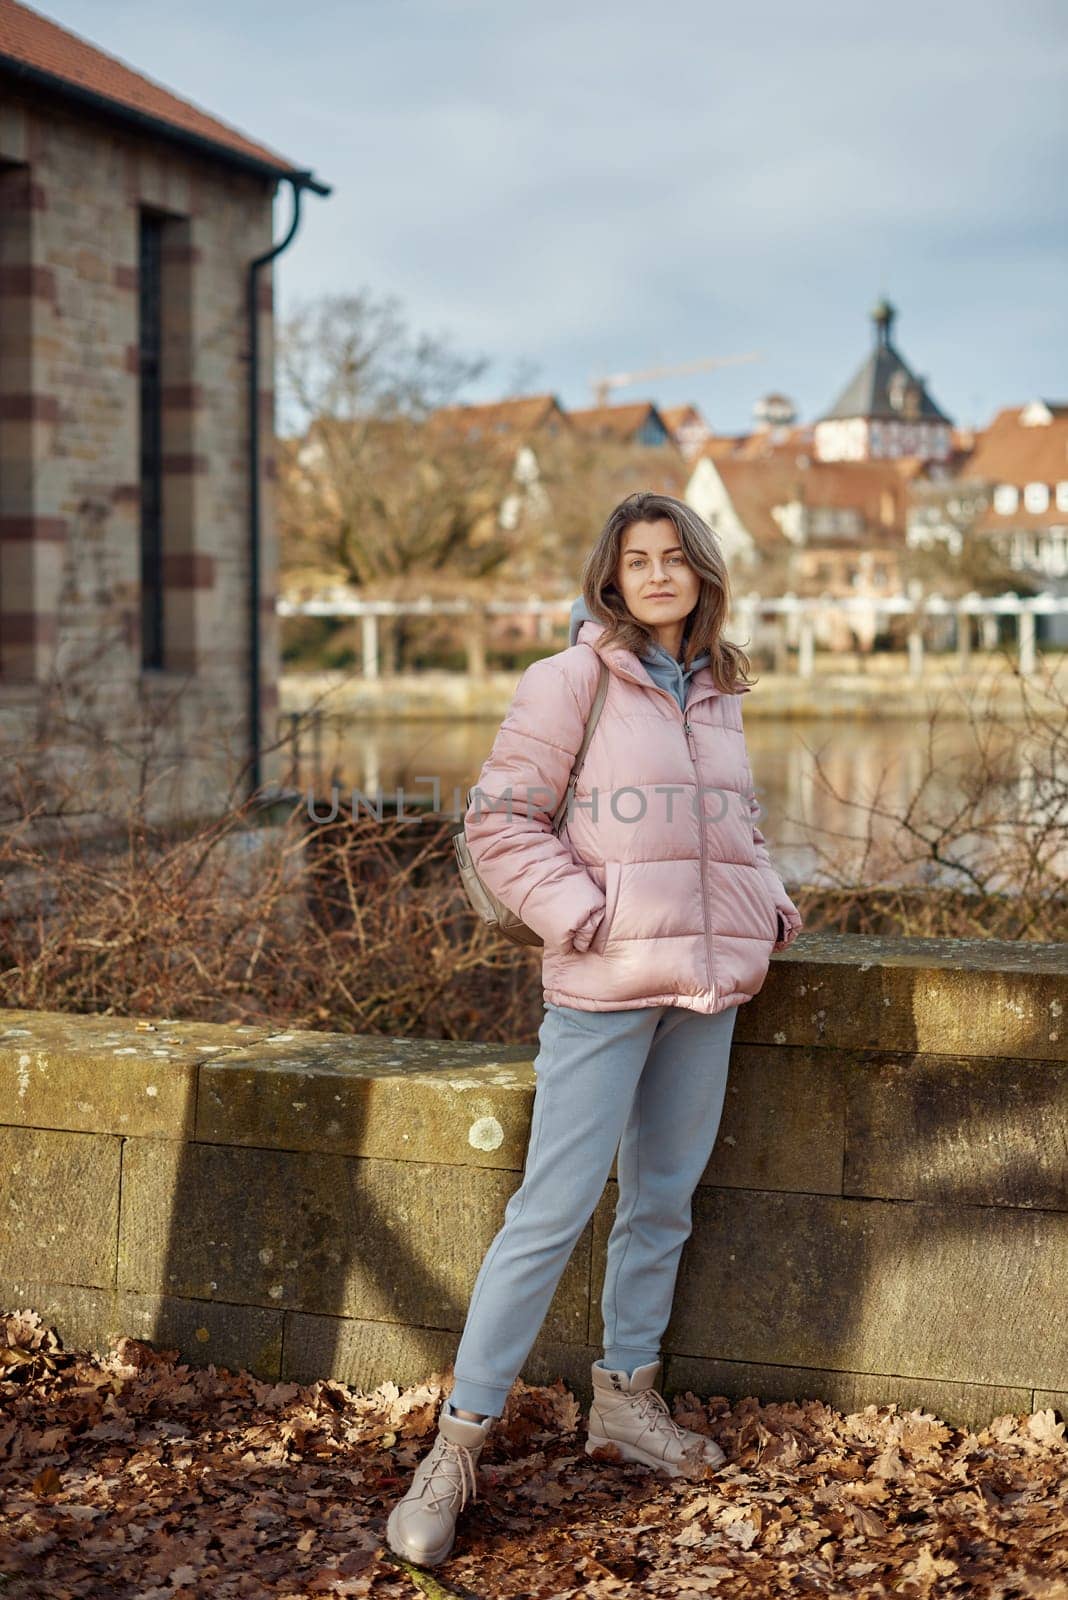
621	380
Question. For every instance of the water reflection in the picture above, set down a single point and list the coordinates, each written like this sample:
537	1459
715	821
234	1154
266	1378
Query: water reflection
872	774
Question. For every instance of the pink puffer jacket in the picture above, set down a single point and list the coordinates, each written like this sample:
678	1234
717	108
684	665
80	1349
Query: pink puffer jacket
645	898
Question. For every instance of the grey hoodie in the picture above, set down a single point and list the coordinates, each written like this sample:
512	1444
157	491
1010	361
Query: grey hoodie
662	667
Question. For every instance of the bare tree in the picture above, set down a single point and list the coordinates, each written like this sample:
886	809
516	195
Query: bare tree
581	477
380	484
978	846
977	568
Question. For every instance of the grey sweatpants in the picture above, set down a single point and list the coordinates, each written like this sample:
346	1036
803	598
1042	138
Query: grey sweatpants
650	1081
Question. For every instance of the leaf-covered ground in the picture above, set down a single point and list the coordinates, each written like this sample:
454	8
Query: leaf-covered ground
132	1475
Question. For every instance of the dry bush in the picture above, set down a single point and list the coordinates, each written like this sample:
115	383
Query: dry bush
361	925
355	926
995	863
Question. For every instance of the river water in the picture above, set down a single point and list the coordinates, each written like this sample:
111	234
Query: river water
820	783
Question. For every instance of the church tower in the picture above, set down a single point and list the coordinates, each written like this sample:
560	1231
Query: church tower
885	410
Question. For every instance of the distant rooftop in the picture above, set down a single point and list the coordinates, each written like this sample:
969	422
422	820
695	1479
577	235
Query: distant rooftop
1024	444
619	421
884	387
518	414
758	487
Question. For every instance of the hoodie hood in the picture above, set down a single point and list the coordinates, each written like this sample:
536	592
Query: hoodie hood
663	668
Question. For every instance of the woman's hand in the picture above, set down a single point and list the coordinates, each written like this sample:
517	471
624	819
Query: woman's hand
586	932
789	924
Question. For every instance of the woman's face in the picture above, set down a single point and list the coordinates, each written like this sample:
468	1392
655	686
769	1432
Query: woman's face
651	564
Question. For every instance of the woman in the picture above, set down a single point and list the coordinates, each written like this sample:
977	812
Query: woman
658	907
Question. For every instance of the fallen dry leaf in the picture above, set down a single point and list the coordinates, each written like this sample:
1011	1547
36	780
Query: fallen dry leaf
135	1475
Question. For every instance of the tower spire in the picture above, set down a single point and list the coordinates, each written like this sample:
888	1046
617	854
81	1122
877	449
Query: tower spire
883	315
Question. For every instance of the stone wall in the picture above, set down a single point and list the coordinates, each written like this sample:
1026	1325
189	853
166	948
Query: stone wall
884	1217
72	188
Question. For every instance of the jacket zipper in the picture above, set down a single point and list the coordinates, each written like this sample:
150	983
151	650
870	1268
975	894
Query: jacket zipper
691	747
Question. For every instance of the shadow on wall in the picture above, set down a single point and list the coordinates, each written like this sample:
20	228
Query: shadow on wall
880	1223
899	1160
332	1211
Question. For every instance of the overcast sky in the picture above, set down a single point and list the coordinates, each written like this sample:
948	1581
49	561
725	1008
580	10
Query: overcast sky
570	189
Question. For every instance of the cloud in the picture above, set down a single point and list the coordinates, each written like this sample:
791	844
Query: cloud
592	186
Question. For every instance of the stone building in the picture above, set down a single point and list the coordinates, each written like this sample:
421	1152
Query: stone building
135	500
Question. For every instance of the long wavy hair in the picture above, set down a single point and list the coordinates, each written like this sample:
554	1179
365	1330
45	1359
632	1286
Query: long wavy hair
703	629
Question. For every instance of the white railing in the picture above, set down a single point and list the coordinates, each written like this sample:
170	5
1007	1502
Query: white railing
801	614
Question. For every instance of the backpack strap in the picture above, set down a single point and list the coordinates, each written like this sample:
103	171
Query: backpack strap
592	718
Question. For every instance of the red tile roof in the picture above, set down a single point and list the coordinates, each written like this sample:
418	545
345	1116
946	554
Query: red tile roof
678	417
622	419
41	49
761	445
1009	451
758	486
619	422
1012	451
720	445
766	442
520	414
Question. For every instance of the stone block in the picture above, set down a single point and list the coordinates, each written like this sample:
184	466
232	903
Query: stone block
429	1100
366	1354
938	1128
782	1123
957	997
237	1337
962	1405
387	1241
59	1205
549	1361
107	1074
83	1318
867	1285
231	1336
363	1354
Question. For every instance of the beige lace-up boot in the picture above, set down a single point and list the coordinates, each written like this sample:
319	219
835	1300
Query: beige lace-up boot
629	1413
422	1526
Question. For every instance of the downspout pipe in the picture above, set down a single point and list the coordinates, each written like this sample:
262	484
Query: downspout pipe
298	182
